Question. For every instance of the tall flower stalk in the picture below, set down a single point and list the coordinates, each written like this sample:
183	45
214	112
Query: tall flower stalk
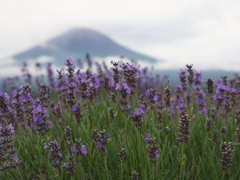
101	139
54	153
137	116
184	125
152	148
8	154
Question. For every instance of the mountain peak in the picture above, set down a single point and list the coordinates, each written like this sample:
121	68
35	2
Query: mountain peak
79	34
76	42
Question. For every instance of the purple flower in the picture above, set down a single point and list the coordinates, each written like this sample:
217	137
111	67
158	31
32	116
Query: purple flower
101	139
74	148
107	134
152	148
148	93
16	159
75	108
155	98
99	144
130	66
8	153
181	74
40	115
129	106
68	62
138	112
4	95
111	82
84	149
179	88
218	96
197	78
221	88
73	84
118	86
157	154
11	128
45	145
137	117
54	153
126	88
63	87
233	90
147	137
79	149
143	107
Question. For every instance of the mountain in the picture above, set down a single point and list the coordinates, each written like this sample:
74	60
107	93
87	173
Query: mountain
76	43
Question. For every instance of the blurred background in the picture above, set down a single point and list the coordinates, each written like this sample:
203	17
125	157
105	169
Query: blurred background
164	34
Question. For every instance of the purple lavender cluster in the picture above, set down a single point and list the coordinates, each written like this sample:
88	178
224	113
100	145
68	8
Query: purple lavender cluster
40	115
6	113
137	116
77	90
78	149
54	153
152	148
77	112
152	96
101	139
8	154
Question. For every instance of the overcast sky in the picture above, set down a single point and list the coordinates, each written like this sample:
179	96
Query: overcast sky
205	33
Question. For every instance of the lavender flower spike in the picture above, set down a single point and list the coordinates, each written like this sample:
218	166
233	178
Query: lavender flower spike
101	139
79	149
84	149
99	144
147	137
138	112
157	154
137	117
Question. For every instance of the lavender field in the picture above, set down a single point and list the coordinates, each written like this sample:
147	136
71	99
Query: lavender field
119	123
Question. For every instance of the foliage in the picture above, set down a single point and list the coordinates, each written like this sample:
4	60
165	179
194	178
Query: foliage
121	124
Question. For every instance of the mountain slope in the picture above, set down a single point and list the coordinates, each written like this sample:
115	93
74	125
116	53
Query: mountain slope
76	43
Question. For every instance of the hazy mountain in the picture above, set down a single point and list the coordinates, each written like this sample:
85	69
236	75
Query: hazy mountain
76	43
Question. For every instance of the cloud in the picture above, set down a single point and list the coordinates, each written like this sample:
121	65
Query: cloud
202	32
6	61
42	59
9	71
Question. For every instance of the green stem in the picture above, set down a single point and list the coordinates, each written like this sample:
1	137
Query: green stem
121	173
153	172
106	168
183	161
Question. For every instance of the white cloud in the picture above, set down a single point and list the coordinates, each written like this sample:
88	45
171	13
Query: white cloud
202	32
42	59
6	61
9	71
